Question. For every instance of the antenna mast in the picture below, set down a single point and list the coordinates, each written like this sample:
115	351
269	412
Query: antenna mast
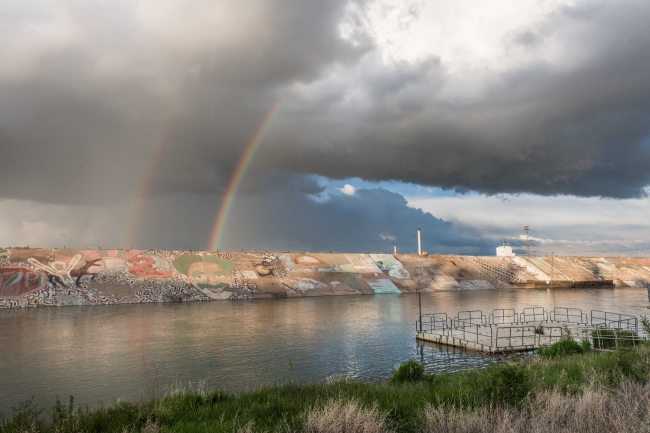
527	245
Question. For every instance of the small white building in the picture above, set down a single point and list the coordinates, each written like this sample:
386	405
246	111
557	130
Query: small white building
505	250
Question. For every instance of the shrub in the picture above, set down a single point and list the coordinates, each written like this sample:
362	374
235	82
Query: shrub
409	371
25	417
645	324
563	347
507	383
628	363
614	338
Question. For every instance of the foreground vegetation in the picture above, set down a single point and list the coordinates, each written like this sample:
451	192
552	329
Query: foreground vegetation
582	392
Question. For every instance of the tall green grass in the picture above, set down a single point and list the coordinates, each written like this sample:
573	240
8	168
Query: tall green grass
408	403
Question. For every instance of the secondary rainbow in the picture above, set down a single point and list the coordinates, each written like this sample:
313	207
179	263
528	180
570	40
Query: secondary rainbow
135	206
242	165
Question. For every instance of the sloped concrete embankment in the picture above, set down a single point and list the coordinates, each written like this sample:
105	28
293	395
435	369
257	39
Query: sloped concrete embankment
44	277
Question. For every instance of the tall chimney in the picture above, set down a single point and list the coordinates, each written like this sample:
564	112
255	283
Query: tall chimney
419	244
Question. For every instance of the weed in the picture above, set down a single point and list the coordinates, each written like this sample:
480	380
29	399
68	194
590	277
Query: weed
409	371
614	338
338	416
506	384
593	410
645	324
595	391
564	347
25	417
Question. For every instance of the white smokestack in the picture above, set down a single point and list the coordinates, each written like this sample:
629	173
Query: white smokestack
419	244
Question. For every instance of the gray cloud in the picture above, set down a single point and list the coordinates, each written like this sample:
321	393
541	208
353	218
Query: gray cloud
289	215
96	101
84	114
574	129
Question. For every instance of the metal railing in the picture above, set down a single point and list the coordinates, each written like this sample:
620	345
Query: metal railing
470	318
503	316
534	314
614	320
527	336
505	329
568	315
432	322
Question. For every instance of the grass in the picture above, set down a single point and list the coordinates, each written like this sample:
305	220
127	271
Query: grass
604	391
614	338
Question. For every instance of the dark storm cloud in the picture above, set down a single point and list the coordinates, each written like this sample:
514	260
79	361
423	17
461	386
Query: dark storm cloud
573	129
371	220
90	95
294	213
168	95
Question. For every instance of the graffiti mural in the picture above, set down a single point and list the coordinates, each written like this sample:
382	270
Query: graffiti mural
50	277
17	281
57	270
391	266
374	276
211	275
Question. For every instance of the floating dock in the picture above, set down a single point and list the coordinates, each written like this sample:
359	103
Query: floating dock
504	330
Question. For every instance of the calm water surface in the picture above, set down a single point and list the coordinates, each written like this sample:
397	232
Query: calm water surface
128	351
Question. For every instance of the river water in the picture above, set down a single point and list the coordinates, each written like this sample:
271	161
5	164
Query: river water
99	354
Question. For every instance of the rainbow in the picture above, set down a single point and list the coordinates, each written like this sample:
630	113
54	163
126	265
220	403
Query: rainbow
135	205
242	165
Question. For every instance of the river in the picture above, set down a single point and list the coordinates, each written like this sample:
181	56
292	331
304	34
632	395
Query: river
103	353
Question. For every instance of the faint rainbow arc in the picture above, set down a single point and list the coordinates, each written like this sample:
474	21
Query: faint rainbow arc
135	205
242	165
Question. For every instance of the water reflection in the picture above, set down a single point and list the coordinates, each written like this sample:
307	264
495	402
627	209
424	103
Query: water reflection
444	359
102	353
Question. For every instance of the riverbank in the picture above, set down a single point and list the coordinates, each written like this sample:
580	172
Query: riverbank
37	277
595	392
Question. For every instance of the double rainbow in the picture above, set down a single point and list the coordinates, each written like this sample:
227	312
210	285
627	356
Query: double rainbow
135	206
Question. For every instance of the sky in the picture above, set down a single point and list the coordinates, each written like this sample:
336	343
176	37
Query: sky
326	126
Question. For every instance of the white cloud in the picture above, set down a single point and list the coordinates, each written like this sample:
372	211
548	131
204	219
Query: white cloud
469	37
566	224
348	189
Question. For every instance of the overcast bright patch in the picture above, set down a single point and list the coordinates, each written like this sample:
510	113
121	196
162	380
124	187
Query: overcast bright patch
563	224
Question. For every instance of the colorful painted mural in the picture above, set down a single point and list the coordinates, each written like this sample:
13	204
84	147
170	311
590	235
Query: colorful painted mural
42	277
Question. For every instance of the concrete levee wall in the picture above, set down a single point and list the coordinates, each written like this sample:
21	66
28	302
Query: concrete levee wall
49	277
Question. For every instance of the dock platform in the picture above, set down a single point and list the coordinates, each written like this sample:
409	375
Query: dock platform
504	330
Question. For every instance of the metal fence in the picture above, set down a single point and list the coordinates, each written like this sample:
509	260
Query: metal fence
432	322
568	315
470	318
527	336
534	314
503	316
614	320
602	338
534	327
